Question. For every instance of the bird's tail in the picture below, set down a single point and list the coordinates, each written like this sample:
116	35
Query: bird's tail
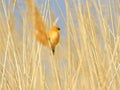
53	50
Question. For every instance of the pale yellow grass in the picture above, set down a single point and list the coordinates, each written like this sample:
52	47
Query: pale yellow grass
86	59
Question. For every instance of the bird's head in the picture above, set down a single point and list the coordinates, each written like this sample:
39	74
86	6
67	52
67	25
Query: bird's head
56	28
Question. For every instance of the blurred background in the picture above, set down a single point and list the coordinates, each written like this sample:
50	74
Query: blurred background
87	57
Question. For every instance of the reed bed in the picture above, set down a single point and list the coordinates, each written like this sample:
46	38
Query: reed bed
87	57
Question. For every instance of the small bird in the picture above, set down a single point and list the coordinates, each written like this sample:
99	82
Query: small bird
50	39
54	37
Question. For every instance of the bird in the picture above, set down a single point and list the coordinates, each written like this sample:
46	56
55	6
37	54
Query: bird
49	39
54	37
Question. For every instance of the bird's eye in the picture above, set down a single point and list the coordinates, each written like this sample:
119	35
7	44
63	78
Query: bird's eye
58	28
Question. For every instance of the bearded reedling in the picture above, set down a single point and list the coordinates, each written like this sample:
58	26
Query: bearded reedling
54	37
50	39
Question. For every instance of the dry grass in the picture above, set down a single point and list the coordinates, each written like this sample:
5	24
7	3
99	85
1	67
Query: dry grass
87	57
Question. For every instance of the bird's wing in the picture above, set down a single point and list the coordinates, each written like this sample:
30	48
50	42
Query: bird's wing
38	23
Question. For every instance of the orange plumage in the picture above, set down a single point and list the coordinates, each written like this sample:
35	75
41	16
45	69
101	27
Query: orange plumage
50	39
54	37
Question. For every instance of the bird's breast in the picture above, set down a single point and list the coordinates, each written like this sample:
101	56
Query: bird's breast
54	38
